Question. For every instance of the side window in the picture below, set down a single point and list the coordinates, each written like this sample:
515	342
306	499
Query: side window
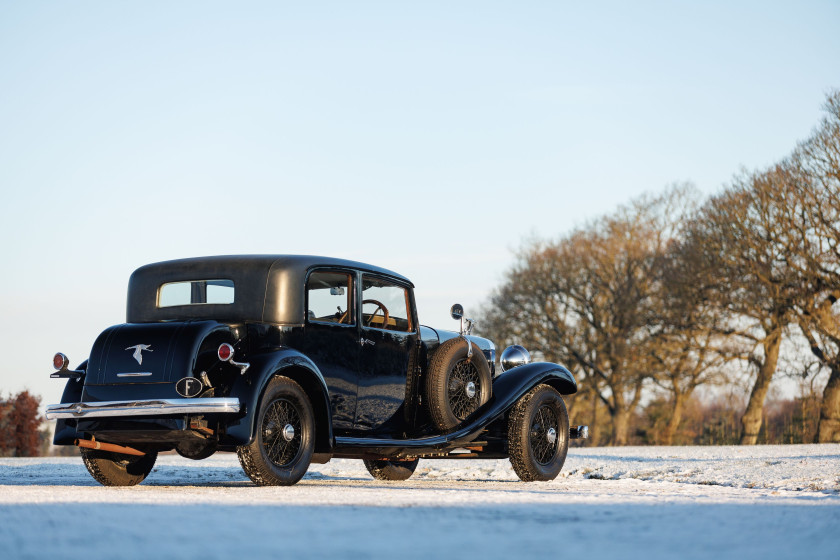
384	305
328	298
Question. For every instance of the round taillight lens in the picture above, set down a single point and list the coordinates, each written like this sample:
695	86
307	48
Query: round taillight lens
225	352
60	361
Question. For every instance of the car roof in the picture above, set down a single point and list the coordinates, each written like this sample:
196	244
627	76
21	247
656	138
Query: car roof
268	288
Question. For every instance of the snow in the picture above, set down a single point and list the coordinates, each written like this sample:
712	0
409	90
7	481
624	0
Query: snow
629	502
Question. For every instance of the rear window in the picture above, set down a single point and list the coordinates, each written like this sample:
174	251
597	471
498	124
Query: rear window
196	292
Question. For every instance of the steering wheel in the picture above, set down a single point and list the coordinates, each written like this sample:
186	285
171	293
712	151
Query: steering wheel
379	305
342	317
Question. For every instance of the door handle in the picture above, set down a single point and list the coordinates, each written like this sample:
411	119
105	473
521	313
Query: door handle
364	341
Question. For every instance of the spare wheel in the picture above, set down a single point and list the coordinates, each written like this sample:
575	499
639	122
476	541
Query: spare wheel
457	385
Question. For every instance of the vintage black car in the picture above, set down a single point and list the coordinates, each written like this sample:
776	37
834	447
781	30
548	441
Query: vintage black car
289	360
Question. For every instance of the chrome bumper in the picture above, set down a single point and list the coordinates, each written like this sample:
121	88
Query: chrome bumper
141	408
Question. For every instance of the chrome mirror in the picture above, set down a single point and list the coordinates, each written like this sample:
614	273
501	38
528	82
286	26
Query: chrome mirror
457	311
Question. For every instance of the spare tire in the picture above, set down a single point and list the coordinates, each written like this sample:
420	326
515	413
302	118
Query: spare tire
456	385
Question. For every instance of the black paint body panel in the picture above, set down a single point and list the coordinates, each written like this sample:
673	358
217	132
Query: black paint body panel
367	398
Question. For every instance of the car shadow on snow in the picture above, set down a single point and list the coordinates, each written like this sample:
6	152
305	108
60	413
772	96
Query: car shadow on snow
489	530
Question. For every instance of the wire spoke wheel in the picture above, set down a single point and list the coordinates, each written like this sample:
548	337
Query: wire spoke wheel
457	385
544	440
464	389
538	434
284	442
281	431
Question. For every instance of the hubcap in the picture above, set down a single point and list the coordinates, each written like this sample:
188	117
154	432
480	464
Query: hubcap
551	436
470	390
289	432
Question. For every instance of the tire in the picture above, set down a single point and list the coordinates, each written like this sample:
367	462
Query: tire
383	469
534	453
450	372
278	457
116	469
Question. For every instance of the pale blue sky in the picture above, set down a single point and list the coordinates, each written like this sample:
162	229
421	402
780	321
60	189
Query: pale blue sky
426	137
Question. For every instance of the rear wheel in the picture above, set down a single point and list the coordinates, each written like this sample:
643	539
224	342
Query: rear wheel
384	469
538	434
283	445
115	469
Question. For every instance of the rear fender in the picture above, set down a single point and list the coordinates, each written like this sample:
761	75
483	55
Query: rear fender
64	434
297	367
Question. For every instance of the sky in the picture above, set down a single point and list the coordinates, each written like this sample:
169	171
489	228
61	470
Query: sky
430	138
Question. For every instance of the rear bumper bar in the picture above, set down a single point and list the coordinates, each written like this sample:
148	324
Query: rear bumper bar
157	407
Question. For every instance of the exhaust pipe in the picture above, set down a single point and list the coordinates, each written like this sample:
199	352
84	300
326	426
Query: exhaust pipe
93	444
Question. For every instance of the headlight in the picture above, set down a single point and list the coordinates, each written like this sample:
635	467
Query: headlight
513	356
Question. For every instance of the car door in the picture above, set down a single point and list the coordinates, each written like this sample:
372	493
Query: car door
331	338
388	341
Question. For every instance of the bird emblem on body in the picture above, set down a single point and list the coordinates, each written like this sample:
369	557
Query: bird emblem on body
138	351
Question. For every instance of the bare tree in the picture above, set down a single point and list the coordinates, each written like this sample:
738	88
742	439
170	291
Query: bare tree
690	349
587	300
814	178
743	252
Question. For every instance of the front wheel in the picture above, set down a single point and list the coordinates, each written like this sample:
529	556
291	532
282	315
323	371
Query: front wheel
538	434
384	469
283	445
116	469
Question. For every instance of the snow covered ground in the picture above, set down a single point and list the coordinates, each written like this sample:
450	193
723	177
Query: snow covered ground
631	502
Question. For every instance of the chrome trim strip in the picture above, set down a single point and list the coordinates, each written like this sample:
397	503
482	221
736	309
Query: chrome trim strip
141	408
138	374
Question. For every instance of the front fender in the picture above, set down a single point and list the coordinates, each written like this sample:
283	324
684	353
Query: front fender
296	366
511	385
529	375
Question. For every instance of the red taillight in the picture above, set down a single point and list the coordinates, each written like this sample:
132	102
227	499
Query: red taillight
60	361
225	352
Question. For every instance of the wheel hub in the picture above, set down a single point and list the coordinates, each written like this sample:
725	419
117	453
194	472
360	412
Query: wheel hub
288	432
551	436
469	389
